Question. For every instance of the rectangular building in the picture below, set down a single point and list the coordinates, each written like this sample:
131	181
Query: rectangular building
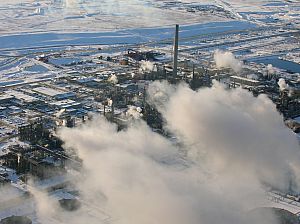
53	93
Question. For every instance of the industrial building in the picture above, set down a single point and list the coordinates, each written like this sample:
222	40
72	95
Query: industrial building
53	93
65	104
84	89
241	81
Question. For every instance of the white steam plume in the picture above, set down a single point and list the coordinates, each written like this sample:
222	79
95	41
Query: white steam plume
147	66
113	79
270	69
134	112
232	130
231	143
283	85
225	59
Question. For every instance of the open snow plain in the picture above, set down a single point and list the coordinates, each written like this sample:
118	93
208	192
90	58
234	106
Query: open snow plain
36	23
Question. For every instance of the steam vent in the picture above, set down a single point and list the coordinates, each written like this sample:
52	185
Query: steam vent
16	220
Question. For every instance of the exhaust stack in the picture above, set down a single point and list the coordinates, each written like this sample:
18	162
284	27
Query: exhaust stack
175	51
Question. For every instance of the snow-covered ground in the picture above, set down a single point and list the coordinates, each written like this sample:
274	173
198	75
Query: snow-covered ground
93	15
31	23
126	36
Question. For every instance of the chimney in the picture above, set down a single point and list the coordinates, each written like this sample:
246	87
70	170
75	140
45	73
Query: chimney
113	109
175	51
194	72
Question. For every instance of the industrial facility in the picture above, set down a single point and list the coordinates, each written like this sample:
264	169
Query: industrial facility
108	81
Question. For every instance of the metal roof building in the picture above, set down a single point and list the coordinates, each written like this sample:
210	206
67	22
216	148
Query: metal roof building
53	93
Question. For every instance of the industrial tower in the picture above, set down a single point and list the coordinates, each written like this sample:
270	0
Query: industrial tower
175	51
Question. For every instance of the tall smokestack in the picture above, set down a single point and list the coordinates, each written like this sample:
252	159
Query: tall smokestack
175	51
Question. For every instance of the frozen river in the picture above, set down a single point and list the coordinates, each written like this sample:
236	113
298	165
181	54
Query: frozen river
128	36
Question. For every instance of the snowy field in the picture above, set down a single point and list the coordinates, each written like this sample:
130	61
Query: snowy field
35	23
128	36
93	15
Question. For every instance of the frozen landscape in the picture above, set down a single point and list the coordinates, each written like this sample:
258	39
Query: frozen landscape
92	15
111	114
44	22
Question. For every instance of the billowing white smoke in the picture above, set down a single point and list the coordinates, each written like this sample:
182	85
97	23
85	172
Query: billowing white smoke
225	59
270	69
283	85
134	112
147	66
113	79
232	130
230	143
